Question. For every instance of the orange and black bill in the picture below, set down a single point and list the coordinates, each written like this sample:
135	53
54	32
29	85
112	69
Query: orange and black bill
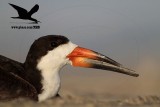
83	57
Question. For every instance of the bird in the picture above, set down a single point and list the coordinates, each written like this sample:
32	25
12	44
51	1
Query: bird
24	14
38	77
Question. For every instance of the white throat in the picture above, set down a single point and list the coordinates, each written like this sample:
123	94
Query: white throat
50	65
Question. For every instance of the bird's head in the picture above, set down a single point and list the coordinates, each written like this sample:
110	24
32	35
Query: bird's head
54	51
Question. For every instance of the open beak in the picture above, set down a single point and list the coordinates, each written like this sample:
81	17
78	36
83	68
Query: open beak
83	57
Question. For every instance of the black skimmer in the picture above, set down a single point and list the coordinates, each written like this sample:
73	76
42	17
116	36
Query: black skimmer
38	77
24	14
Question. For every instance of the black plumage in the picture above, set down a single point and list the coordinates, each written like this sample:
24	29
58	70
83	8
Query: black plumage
24	79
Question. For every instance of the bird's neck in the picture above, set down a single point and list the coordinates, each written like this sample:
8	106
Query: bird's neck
49	66
45	81
50	84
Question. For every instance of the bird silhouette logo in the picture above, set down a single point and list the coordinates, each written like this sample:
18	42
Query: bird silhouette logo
24	14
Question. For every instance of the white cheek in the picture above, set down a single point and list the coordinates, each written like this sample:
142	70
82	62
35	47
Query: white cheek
56	57
50	65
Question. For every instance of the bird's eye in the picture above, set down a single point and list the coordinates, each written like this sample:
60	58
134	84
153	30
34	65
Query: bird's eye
53	44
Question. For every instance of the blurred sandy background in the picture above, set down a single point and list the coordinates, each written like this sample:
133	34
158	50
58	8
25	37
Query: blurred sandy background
106	82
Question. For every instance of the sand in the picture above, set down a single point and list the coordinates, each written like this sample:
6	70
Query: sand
73	100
